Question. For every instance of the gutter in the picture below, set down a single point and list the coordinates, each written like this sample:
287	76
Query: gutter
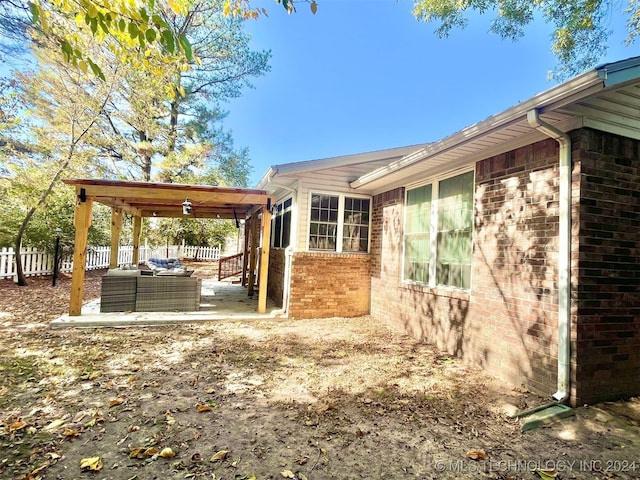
564	253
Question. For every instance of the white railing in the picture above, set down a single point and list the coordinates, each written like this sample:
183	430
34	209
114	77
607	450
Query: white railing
37	262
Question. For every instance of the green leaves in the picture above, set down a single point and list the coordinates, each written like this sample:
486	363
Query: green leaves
133	31
581	26
186	47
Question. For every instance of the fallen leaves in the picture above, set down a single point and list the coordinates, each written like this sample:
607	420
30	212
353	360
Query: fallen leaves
477	455
143	453
54	425
167	453
219	456
323	407
203	408
114	402
546	474
91	463
170	419
18	425
295	476
35	474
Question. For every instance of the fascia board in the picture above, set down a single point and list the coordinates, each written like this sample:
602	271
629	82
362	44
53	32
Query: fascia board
344	160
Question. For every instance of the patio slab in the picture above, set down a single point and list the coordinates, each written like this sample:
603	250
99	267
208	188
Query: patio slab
218	301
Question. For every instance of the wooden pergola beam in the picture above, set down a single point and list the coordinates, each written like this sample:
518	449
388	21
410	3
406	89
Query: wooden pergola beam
253	252
196	197
208	212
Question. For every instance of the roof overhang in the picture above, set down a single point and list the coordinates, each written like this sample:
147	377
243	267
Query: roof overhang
147	199
283	177
606	98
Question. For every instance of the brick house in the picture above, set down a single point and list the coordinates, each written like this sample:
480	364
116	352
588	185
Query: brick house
513	244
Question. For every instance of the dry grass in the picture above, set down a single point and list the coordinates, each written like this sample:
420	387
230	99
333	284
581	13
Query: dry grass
316	399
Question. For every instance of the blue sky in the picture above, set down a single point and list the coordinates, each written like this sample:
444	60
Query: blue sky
364	75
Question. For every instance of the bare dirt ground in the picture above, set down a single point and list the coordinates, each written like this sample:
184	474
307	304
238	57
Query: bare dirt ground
309	399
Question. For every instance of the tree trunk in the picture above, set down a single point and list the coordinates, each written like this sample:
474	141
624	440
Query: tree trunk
173	125
145	155
22	279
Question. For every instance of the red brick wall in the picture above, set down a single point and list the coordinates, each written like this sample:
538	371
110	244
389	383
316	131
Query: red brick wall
514	294
275	284
608	333
329	285
507	323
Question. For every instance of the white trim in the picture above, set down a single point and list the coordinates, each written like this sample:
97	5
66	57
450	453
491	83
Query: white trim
340	224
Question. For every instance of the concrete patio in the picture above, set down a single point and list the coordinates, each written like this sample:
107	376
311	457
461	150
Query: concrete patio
219	300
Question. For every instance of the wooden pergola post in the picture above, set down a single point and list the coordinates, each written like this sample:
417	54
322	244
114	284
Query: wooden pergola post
245	257
253	246
82	222
264	260
137	227
116	228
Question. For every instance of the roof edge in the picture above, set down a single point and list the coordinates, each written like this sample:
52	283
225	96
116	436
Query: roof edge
548	99
331	162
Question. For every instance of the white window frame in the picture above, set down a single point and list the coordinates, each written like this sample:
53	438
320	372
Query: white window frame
340	226
273	219
433	240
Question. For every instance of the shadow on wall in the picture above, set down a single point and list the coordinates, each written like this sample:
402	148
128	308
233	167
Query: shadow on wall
443	321
516	252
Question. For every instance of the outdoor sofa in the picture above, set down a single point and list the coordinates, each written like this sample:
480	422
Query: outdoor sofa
167	290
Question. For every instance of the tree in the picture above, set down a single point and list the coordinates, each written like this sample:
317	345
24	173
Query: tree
14	24
198	232
148	133
52	143
579	38
133	31
141	120
244	9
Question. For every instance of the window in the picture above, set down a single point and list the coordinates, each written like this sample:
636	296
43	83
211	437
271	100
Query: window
355	233
417	237
455	224
323	226
281	224
438	233
339	223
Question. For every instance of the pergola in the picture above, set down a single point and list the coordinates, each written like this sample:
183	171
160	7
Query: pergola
146	199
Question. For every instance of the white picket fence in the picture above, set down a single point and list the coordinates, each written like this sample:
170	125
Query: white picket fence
37	262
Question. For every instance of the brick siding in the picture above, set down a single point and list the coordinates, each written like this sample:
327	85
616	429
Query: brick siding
507	323
608	273
275	285
329	285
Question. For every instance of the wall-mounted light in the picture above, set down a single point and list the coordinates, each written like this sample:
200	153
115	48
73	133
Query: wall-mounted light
186	207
